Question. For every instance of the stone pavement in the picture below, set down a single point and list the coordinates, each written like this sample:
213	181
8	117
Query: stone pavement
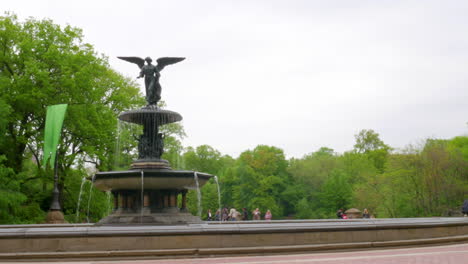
447	254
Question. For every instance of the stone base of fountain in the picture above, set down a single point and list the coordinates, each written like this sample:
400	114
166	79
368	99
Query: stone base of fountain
150	196
151	164
150	192
169	218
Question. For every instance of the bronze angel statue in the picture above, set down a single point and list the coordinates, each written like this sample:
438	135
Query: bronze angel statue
152	73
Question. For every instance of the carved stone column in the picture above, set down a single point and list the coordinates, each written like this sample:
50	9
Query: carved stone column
172	199
166	199
159	201
184	201
122	201
130	202
116	201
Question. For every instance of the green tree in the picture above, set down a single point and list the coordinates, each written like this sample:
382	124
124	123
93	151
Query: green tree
309	175
203	158
261	180
336	193
41	64
368	142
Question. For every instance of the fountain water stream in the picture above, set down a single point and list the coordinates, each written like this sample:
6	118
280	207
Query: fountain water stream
219	193
199	197
89	197
83	180
109	202
117	145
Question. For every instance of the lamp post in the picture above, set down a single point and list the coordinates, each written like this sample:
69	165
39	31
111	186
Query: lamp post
53	128
55	215
55	205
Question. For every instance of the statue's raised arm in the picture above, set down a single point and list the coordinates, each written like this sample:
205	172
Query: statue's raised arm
151	74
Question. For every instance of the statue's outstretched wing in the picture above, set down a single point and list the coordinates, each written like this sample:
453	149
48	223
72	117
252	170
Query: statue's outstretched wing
164	61
137	60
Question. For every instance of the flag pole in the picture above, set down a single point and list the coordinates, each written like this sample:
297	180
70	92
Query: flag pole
53	128
55	205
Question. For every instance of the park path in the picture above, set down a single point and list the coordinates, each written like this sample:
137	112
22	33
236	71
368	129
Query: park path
448	254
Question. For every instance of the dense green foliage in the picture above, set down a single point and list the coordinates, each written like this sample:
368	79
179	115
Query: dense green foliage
43	64
428	181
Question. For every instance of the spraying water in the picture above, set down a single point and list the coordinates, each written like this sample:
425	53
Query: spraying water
195	175
117	145
109	202
90	195
219	193
83	180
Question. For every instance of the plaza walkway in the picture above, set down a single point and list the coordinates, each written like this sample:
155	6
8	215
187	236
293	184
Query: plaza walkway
448	254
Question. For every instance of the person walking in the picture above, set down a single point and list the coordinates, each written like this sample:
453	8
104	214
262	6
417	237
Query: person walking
268	215
365	214
209	216
218	215
256	214
339	214
233	214
225	214
245	214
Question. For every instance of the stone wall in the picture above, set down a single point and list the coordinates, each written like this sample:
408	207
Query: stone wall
85	241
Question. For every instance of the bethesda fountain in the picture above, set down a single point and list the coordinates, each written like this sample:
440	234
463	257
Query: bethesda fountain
150	192
150	218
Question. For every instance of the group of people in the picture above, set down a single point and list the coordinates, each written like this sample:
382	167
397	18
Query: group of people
342	215
232	214
365	214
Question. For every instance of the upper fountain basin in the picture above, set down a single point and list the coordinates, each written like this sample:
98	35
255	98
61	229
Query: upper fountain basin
150	114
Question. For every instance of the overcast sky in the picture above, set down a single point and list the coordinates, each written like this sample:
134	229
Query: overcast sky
297	75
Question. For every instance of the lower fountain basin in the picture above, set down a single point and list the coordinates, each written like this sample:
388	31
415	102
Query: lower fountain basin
150	196
155	179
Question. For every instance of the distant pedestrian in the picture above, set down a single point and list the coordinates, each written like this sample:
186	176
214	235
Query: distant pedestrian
256	214
225	214
218	215
245	214
209	216
339	214
268	215
233	214
344	216
465	208
365	214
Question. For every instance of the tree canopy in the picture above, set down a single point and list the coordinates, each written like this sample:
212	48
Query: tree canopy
41	64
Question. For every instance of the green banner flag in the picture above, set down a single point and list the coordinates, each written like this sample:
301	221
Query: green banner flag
53	128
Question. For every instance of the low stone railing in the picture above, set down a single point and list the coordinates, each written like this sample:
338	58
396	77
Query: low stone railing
219	238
